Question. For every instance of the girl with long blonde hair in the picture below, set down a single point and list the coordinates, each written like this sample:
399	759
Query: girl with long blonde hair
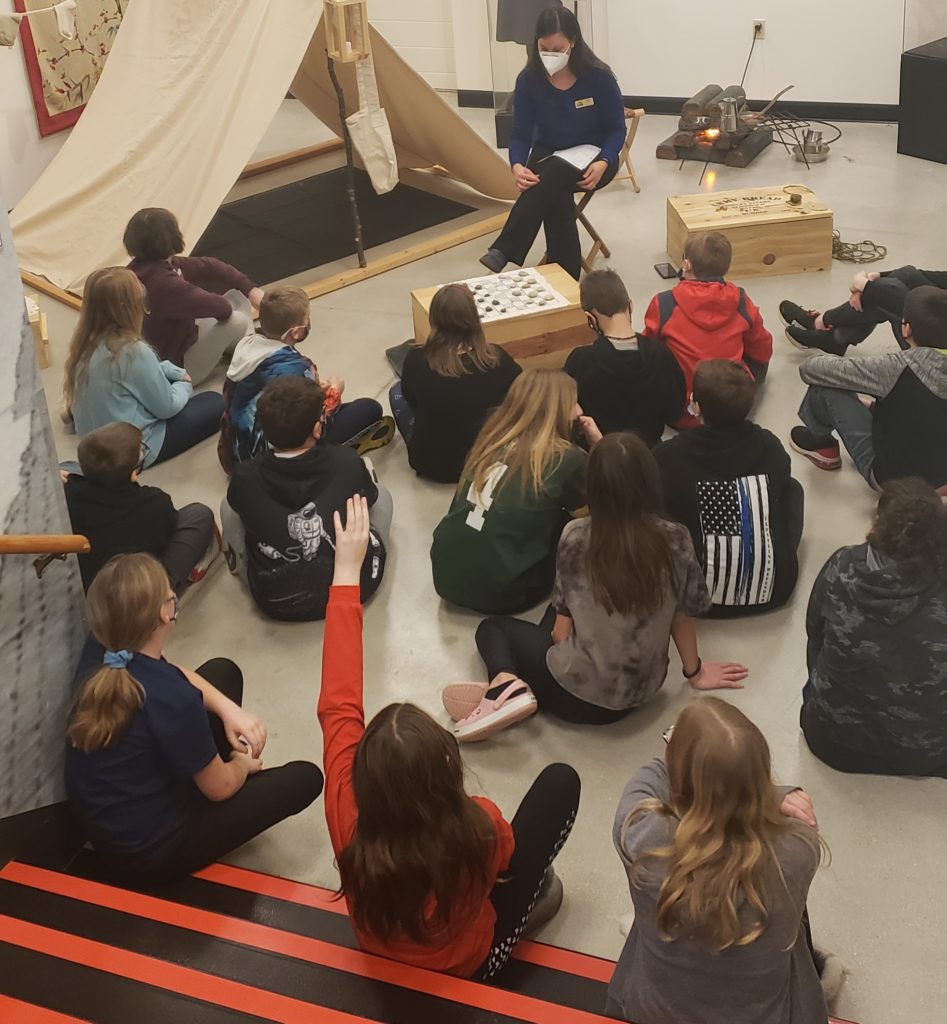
494	551
719	863
163	766
449	386
113	375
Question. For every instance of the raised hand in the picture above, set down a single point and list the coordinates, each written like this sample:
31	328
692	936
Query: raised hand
351	542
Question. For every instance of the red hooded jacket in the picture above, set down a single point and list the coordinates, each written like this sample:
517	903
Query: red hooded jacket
711	319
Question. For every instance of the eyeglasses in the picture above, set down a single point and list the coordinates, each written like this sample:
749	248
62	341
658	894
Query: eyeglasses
143	454
177	604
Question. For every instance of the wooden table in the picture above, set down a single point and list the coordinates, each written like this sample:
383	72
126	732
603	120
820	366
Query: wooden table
540	340
769	233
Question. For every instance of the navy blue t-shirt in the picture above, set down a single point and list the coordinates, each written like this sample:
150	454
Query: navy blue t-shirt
132	795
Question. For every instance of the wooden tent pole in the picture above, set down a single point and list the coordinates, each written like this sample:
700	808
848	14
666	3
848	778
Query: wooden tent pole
349	165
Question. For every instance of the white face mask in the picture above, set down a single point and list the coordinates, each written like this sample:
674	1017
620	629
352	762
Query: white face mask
554	62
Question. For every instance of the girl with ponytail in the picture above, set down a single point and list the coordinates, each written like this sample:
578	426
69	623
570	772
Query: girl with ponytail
163	766
719	862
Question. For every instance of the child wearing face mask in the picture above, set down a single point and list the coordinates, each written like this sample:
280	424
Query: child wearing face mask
271	353
626	381
565	97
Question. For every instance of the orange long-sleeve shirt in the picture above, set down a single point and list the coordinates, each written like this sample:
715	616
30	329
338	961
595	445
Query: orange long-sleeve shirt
467	940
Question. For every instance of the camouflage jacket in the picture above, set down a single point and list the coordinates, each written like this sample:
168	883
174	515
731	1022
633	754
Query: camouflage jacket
877	657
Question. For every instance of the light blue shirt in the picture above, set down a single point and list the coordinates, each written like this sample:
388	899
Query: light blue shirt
134	387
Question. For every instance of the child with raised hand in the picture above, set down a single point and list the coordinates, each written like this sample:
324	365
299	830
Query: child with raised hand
627	583
708	317
495	549
431	876
719	863
163	768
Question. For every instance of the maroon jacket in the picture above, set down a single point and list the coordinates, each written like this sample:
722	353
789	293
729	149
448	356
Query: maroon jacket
182	291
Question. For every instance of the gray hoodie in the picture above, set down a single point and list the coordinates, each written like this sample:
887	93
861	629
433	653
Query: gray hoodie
771	981
909	428
877	660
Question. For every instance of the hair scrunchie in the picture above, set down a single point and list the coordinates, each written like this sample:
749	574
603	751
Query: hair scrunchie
117	659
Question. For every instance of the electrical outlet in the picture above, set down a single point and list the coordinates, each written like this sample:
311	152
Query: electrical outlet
759	28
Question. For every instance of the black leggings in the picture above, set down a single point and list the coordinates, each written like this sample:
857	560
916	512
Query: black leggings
882	303
212	829
550	205
513	645
541	826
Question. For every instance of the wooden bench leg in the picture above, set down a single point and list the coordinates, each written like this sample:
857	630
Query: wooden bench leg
631	174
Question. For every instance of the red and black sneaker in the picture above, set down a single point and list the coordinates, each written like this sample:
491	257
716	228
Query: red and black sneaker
821	450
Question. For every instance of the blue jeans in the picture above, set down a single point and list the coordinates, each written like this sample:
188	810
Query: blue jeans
198	420
402	410
826	409
352	418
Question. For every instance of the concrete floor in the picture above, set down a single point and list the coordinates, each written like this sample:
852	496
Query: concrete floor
882	902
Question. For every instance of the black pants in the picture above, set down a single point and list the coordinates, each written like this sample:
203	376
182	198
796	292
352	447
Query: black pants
541	826
549	205
882	303
513	645
213	829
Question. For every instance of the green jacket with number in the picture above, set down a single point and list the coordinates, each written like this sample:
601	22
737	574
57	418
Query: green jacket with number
495	552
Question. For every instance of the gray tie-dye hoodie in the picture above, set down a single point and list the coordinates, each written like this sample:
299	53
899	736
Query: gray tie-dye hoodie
877	657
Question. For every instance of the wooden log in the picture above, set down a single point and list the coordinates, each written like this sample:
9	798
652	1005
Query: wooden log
694	107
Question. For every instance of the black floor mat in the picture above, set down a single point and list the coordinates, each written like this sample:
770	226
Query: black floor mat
291	229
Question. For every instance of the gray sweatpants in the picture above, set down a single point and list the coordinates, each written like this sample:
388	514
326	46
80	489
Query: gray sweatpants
190	542
217	337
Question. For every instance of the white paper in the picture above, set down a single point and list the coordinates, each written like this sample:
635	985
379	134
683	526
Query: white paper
514	293
578	156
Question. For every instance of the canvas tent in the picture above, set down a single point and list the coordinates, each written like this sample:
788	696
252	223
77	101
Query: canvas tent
188	91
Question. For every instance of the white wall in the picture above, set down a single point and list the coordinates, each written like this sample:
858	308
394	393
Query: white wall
422	32
23	154
924	21
831	50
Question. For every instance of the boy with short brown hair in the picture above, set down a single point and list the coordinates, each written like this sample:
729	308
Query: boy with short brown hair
729	482
707	317
118	515
271	353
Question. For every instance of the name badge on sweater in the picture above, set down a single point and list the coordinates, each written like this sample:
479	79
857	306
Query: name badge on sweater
590	102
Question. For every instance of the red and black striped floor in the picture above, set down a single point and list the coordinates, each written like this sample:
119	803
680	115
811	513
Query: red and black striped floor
233	945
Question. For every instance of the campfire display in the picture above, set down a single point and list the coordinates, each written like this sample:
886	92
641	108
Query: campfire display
717	127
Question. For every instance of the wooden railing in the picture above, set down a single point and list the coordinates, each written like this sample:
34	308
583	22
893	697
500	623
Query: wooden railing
49	547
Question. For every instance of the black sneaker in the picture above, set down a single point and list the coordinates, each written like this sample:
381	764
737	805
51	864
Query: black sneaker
822	451
792	313
805	339
494	261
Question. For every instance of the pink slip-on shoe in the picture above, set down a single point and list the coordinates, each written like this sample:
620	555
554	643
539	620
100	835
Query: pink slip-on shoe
514	702
460	699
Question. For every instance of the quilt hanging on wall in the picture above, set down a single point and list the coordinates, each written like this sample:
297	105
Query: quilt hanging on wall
63	71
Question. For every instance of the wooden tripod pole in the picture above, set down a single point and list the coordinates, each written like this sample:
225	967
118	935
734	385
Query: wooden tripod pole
349	165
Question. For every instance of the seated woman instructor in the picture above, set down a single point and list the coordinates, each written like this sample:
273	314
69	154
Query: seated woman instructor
565	97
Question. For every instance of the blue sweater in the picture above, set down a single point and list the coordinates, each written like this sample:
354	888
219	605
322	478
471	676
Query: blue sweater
136	387
546	116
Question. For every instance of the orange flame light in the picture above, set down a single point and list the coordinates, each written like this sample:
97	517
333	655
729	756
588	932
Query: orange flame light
712	133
